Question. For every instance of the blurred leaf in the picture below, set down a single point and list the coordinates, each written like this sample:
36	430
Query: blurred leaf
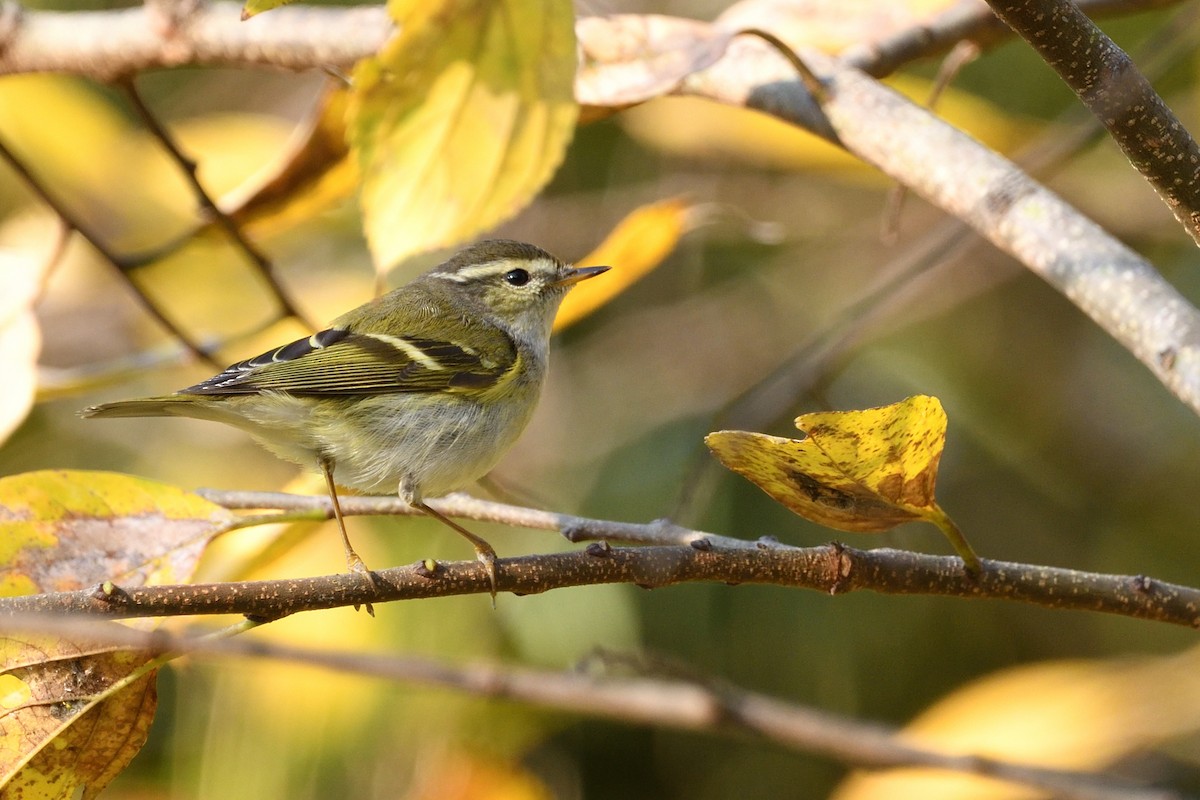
460	775
632	58
865	471
638	244
253	7
461	119
72	715
23	273
1076	715
65	530
316	173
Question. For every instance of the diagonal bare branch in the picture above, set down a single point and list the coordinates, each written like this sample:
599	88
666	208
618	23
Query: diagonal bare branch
1117	288
1110	85
209	208
75	224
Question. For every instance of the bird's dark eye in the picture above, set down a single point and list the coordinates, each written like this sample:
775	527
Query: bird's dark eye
516	277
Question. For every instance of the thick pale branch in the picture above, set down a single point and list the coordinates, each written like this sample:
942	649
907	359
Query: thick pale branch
106	45
1118	289
706	707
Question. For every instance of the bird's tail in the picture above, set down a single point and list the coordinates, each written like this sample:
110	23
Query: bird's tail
146	407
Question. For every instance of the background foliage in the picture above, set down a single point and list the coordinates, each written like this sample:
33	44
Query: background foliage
1061	450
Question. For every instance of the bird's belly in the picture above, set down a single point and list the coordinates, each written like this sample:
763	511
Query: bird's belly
434	451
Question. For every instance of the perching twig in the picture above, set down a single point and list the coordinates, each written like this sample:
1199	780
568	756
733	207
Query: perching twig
672	555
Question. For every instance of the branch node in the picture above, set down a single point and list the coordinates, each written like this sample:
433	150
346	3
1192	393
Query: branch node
600	549
767	542
1142	584
702	544
842	564
427	568
109	592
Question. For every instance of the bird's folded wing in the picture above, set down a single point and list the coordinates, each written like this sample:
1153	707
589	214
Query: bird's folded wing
341	362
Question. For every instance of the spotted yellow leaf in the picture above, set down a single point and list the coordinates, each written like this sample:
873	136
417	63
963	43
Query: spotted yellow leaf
460	119
73	714
64	530
637	245
866	470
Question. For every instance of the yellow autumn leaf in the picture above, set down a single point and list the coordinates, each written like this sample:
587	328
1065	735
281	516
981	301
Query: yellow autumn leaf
66	530
72	714
29	248
461	119
316	173
864	471
638	244
1069	715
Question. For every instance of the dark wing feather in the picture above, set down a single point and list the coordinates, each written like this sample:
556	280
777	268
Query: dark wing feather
340	362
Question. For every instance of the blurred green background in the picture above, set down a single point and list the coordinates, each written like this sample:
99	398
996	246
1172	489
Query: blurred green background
1062	449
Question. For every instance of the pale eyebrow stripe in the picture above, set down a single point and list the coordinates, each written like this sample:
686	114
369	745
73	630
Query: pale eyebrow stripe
409	349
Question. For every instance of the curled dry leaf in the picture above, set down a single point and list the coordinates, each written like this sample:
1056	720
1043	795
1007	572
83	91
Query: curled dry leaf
632	58
72	717
74	714
864	471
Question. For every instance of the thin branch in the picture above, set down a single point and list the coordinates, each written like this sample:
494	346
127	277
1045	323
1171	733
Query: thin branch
75	224
687	556
710	707
209	208
1107	82
963	21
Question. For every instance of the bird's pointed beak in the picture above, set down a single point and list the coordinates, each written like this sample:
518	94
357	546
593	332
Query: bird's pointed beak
580	274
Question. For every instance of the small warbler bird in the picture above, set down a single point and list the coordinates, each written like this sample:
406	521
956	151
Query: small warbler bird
419	391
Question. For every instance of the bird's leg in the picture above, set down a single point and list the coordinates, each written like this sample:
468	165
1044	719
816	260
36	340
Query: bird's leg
483	550
353	561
